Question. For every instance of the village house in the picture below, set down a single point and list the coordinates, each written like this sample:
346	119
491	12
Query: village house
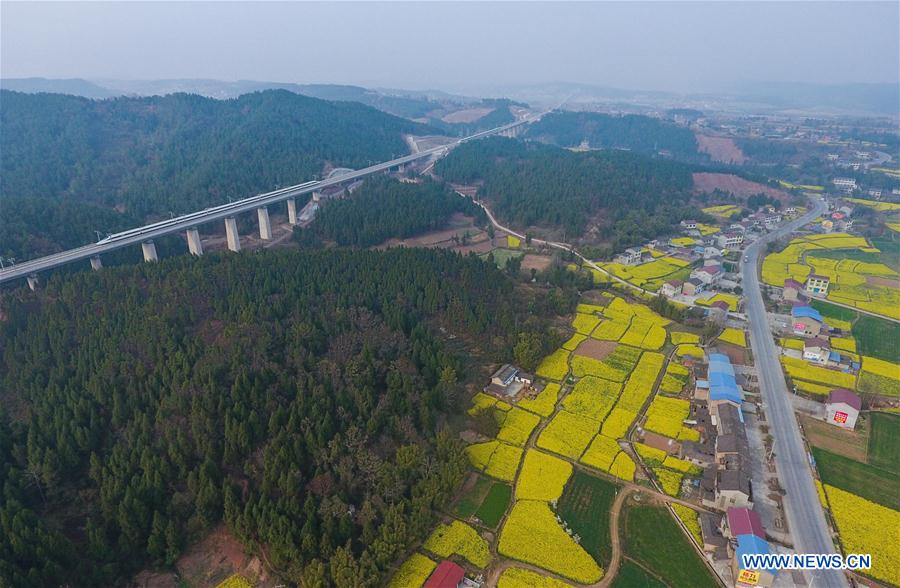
730	240
509	381
732	489
631	256
718	312
842	408
750	544
816	350
692	287
671	288
449	575
806	321
792	290
708	275
817	285
689	224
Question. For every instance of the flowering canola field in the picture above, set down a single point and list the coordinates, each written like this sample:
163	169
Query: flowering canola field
533	535
460	539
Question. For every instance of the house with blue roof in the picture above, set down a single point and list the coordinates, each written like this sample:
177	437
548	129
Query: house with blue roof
751	544
722	386
806	321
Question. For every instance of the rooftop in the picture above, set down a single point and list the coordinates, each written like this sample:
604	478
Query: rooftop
743	521
446	575
845	396
806	312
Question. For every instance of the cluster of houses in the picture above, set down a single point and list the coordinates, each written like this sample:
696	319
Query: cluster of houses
807	322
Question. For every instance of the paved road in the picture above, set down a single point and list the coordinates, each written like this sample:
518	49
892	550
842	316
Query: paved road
806	521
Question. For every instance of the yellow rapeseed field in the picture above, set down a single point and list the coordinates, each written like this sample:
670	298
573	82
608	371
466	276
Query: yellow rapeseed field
555	366
517	426
585	323
691	520
623	467
602	453
801	370
574	341
542	477
496	459
611	330
618	422
568	434
679	337
730	299
880	367
522	578
532	535
413	572
592	397
665	415
544	403
734	336
236	581
669	480
460	539
692	350
482	401
867	527
640	383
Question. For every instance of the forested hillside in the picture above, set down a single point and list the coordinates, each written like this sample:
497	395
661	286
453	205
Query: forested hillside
150	157
634	132
297	396
626	196
385	208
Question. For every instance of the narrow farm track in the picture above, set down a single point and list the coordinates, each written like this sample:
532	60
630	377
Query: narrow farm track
615	540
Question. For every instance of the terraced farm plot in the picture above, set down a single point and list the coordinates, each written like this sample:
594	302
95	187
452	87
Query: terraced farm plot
568	434
631	575
868	481
592	397
458	538
884	441
877	338
595	349
532	535
544	403
517	426
665	415
470	501
413	572
542	477
653	539
522	578
494	505
801	370
555	366
585	507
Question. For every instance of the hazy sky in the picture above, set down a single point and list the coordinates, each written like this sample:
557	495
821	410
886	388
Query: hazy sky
654	45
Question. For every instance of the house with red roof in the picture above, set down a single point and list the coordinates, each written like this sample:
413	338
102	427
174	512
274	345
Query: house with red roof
742	521
446	575
842	408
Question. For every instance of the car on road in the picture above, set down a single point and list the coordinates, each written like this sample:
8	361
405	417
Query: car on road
746	259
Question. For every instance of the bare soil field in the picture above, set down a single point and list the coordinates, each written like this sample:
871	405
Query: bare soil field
708	182
850	444
537	262
721	149
595	349
885	282
466	116
208	563
737	355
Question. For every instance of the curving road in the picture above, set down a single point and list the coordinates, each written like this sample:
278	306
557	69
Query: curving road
805	518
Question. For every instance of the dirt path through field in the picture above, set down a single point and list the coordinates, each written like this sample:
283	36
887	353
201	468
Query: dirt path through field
616	558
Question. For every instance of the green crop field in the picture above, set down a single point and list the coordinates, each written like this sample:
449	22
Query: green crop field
585	505
495	503
501	256
877	337
653	539
468	503
868	481
631	575
832	311
884	441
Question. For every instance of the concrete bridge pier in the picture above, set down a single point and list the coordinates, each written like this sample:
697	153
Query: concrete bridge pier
194	244
292	211
33	281
265	227
96	264
149	249
231	234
